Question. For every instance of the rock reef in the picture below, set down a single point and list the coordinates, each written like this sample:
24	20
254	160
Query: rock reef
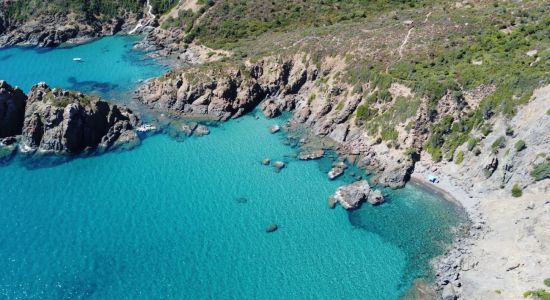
353	195
64	122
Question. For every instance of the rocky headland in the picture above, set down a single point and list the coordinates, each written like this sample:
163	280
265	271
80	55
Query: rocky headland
63	122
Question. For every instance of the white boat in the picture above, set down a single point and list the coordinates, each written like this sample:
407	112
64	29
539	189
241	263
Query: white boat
77	59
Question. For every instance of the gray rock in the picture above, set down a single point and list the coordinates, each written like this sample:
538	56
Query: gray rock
351	196
69	122
266	162
201	130
448	293
375	197
309	155
279	164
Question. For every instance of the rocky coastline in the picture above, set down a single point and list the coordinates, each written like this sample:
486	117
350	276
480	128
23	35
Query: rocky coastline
57	121
276	85
55	30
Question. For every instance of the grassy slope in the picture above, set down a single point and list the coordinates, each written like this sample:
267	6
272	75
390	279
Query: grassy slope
436	60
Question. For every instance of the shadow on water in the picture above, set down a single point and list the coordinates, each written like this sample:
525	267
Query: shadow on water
83	282
5	57
102	88
437	221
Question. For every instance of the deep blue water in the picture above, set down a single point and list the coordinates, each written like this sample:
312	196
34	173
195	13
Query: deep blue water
164	221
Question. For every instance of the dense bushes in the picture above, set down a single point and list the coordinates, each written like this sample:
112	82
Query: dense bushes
230	22
24	9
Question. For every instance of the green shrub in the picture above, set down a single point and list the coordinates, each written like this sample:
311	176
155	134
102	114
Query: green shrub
472	143
459	157
498	144
486	130
541	171
541	294
520	145
547	282
516	191
389	134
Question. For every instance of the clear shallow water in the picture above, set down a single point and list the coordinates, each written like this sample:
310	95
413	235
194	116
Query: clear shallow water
110	67
163	221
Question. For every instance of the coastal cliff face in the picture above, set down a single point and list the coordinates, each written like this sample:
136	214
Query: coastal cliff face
12	110
64	122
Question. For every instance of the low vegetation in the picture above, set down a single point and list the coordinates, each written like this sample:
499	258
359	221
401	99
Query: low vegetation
541	171
520	145
459	157
517	191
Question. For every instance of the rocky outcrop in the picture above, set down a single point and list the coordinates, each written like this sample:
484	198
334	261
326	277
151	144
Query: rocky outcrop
12	110
222	93
60	121
69	122
353	195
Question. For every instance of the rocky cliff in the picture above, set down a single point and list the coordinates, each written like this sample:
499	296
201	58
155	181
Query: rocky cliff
223	91
12	110
65	122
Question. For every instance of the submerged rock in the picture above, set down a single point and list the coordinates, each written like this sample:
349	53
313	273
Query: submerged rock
279	164
309	155
189	128
351	196
337	170
201	130
271	228
241	200
266	162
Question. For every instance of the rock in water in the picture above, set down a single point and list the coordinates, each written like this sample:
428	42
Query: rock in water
271	228
242	200
351	196
274	128
375	197
309	155
279	164
266	162
69	122
201	130
332	202
337	170
189	128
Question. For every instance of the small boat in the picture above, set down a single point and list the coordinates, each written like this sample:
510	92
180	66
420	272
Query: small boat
77	59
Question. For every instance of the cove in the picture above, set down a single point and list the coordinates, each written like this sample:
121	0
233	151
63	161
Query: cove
109	66
168	220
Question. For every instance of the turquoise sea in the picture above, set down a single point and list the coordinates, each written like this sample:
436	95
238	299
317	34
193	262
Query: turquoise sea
186	219
108	67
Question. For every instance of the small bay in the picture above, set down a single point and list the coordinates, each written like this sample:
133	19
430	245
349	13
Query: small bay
187	219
